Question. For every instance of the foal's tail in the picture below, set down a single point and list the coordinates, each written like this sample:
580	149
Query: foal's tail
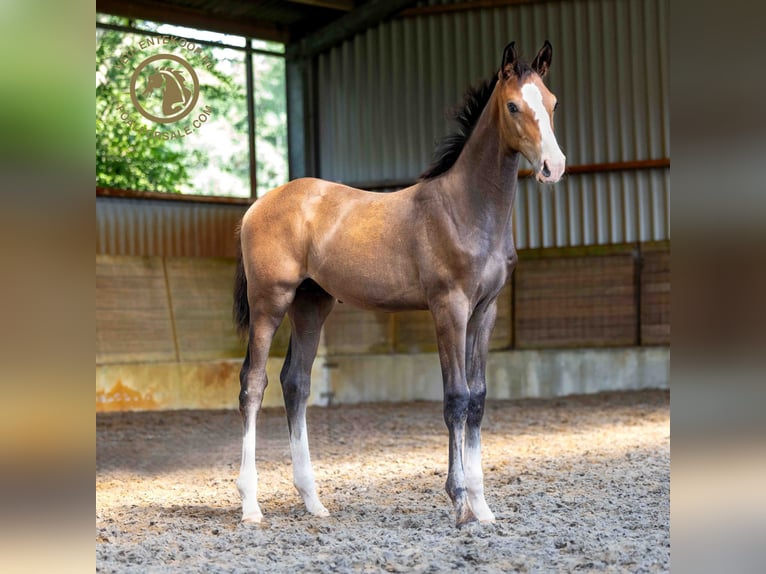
241	308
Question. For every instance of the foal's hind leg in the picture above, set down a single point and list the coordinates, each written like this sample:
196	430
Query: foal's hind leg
264	320
477	345
307	314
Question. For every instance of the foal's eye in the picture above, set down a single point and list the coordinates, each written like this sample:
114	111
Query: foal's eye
513	108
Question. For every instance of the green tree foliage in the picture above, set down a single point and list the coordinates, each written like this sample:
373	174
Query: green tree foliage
214	160
271	122
125	159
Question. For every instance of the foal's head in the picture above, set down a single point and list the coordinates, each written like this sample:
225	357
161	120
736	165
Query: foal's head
526	106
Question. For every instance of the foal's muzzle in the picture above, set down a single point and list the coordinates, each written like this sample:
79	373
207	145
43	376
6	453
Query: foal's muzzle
551	170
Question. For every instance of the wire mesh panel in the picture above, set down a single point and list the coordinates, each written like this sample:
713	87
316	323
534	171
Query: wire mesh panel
655	294
577	300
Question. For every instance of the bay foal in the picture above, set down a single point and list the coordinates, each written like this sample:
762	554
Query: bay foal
443	244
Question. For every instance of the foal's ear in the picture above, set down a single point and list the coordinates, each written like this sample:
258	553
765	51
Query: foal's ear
542	61
509	61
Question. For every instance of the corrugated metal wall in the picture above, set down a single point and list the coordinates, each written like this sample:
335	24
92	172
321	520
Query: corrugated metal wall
166	228
383	95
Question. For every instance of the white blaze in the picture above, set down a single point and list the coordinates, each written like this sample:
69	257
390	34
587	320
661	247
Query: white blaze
551	153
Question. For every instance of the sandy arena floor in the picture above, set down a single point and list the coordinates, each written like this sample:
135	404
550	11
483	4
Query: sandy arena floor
577	485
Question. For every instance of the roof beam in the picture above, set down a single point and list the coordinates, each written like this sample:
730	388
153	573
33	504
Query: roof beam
359	19
434	9
192	18
340	5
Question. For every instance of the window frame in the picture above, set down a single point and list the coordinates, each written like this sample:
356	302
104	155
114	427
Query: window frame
249	50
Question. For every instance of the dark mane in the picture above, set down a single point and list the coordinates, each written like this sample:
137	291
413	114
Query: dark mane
474	102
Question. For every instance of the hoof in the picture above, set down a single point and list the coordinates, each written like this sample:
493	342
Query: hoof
313	506
321	511
252	518
480	508
465	517
485	515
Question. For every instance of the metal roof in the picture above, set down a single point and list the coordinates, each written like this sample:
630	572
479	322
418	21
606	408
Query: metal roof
281	21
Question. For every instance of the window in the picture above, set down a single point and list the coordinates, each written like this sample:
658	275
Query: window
173	113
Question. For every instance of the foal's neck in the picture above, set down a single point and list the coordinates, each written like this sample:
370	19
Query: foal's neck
483	179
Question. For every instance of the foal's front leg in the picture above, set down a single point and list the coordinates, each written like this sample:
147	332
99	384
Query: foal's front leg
450	318
479	330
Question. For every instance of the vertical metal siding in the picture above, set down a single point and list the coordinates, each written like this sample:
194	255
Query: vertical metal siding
384	93
166	228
